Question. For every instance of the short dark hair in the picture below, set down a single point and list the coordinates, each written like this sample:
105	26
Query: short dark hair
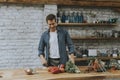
50	17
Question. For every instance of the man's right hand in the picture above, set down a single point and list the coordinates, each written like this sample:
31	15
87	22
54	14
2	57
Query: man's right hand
44	61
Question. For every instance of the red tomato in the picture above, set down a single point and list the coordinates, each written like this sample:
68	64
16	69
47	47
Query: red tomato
55	70
62	70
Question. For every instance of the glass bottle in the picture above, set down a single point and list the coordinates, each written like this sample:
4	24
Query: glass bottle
58	17
77	17
63	17
66	17
81	18
70	18
73	17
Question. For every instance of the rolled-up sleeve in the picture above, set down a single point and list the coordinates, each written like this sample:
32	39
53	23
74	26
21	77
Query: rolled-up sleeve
41	46
69	43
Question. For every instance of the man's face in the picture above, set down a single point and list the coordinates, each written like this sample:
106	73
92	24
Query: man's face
51	23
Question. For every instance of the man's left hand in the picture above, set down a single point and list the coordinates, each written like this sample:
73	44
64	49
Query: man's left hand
72	58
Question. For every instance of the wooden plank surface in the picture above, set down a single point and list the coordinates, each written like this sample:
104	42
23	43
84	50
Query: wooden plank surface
105	3
43	74
94	38
87	24
102	58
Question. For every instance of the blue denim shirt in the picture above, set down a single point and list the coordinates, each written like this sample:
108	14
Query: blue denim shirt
63	41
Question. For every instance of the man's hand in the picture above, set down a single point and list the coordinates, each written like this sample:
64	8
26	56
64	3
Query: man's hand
72	58
43	60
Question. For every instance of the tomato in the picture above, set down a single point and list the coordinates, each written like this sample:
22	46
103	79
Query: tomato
62	70
55	70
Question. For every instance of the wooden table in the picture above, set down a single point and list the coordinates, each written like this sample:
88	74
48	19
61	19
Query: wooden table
43	74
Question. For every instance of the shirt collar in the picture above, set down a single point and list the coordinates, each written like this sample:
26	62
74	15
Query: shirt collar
56	28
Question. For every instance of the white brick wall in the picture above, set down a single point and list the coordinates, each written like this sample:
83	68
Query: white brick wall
20	31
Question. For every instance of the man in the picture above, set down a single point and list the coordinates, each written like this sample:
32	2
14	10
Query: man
55	40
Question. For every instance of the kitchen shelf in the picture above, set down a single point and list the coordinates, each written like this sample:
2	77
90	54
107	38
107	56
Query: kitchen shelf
102	58
86	24
95	38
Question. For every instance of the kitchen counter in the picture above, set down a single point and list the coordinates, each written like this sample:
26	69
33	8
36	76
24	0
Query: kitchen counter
43	74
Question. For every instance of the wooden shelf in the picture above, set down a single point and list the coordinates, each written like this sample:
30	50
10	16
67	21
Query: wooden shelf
94	38
86	24
102	58
97	3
